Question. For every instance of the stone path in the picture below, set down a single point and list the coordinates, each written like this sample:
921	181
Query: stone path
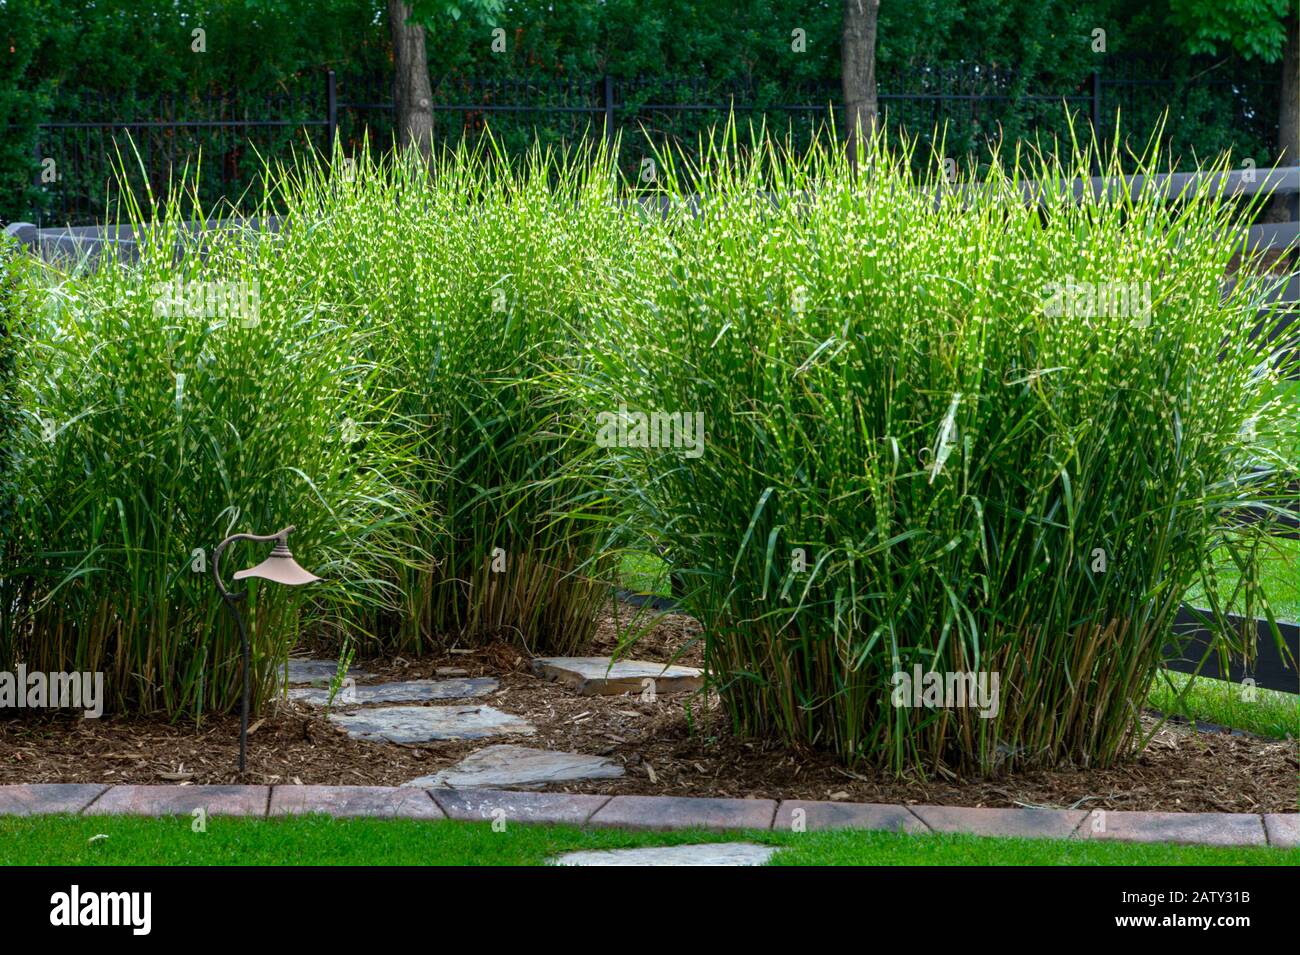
653	812
408	691
603	676
406	724
317	672
717	853
514	767
501	766
423	724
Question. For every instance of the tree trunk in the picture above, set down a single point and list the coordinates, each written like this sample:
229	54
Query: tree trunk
411	94
1283	208
858	67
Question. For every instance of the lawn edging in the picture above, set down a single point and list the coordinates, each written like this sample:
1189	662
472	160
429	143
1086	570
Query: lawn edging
1279	830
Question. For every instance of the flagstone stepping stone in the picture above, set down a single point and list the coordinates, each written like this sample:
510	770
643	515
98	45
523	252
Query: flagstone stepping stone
317	671
423	724
409	691
518	767
717	853
600	676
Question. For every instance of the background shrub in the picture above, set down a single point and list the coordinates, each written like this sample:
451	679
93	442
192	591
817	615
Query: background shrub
91	60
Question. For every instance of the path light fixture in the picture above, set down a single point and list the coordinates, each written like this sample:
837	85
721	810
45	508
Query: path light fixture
279	567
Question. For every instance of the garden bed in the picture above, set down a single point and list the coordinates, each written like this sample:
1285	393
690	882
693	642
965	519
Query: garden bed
967	457
664	750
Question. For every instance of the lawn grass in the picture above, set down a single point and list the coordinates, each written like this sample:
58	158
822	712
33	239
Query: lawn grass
1280	568
1279	580
1289	392
644	574
321	840
1264	712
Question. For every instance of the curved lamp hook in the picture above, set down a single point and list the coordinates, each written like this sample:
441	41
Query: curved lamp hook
279	567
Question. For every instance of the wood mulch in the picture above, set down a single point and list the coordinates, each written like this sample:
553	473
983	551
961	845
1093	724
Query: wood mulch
666	749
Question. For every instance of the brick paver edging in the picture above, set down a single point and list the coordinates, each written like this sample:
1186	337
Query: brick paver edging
651	812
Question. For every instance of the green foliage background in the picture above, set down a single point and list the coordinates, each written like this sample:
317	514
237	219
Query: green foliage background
79	60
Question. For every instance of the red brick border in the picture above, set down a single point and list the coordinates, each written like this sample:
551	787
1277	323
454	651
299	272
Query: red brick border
46	798
800	815
385	802
685	812
1025	823
651	812
1283	830
1188	828
181	801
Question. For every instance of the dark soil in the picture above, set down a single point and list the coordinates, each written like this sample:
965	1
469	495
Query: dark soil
666	749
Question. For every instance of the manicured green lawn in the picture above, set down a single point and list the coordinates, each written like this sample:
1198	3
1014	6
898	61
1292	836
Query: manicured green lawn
1268	713
320	840
1279	579
644	574
1289	391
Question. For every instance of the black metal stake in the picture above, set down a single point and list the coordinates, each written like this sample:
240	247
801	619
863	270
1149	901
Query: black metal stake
608	92
232	603
331	114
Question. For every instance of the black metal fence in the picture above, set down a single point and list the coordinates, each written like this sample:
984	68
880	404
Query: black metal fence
222	140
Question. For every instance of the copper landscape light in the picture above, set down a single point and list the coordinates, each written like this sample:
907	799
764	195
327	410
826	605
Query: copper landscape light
279	567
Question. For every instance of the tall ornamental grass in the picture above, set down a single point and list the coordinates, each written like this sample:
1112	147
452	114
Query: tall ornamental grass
943	430
13	268
166	404
375	370
466	282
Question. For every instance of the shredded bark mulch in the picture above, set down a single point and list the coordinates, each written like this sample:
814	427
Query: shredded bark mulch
678	745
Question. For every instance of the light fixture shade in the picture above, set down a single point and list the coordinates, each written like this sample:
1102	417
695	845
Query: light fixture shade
279	567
